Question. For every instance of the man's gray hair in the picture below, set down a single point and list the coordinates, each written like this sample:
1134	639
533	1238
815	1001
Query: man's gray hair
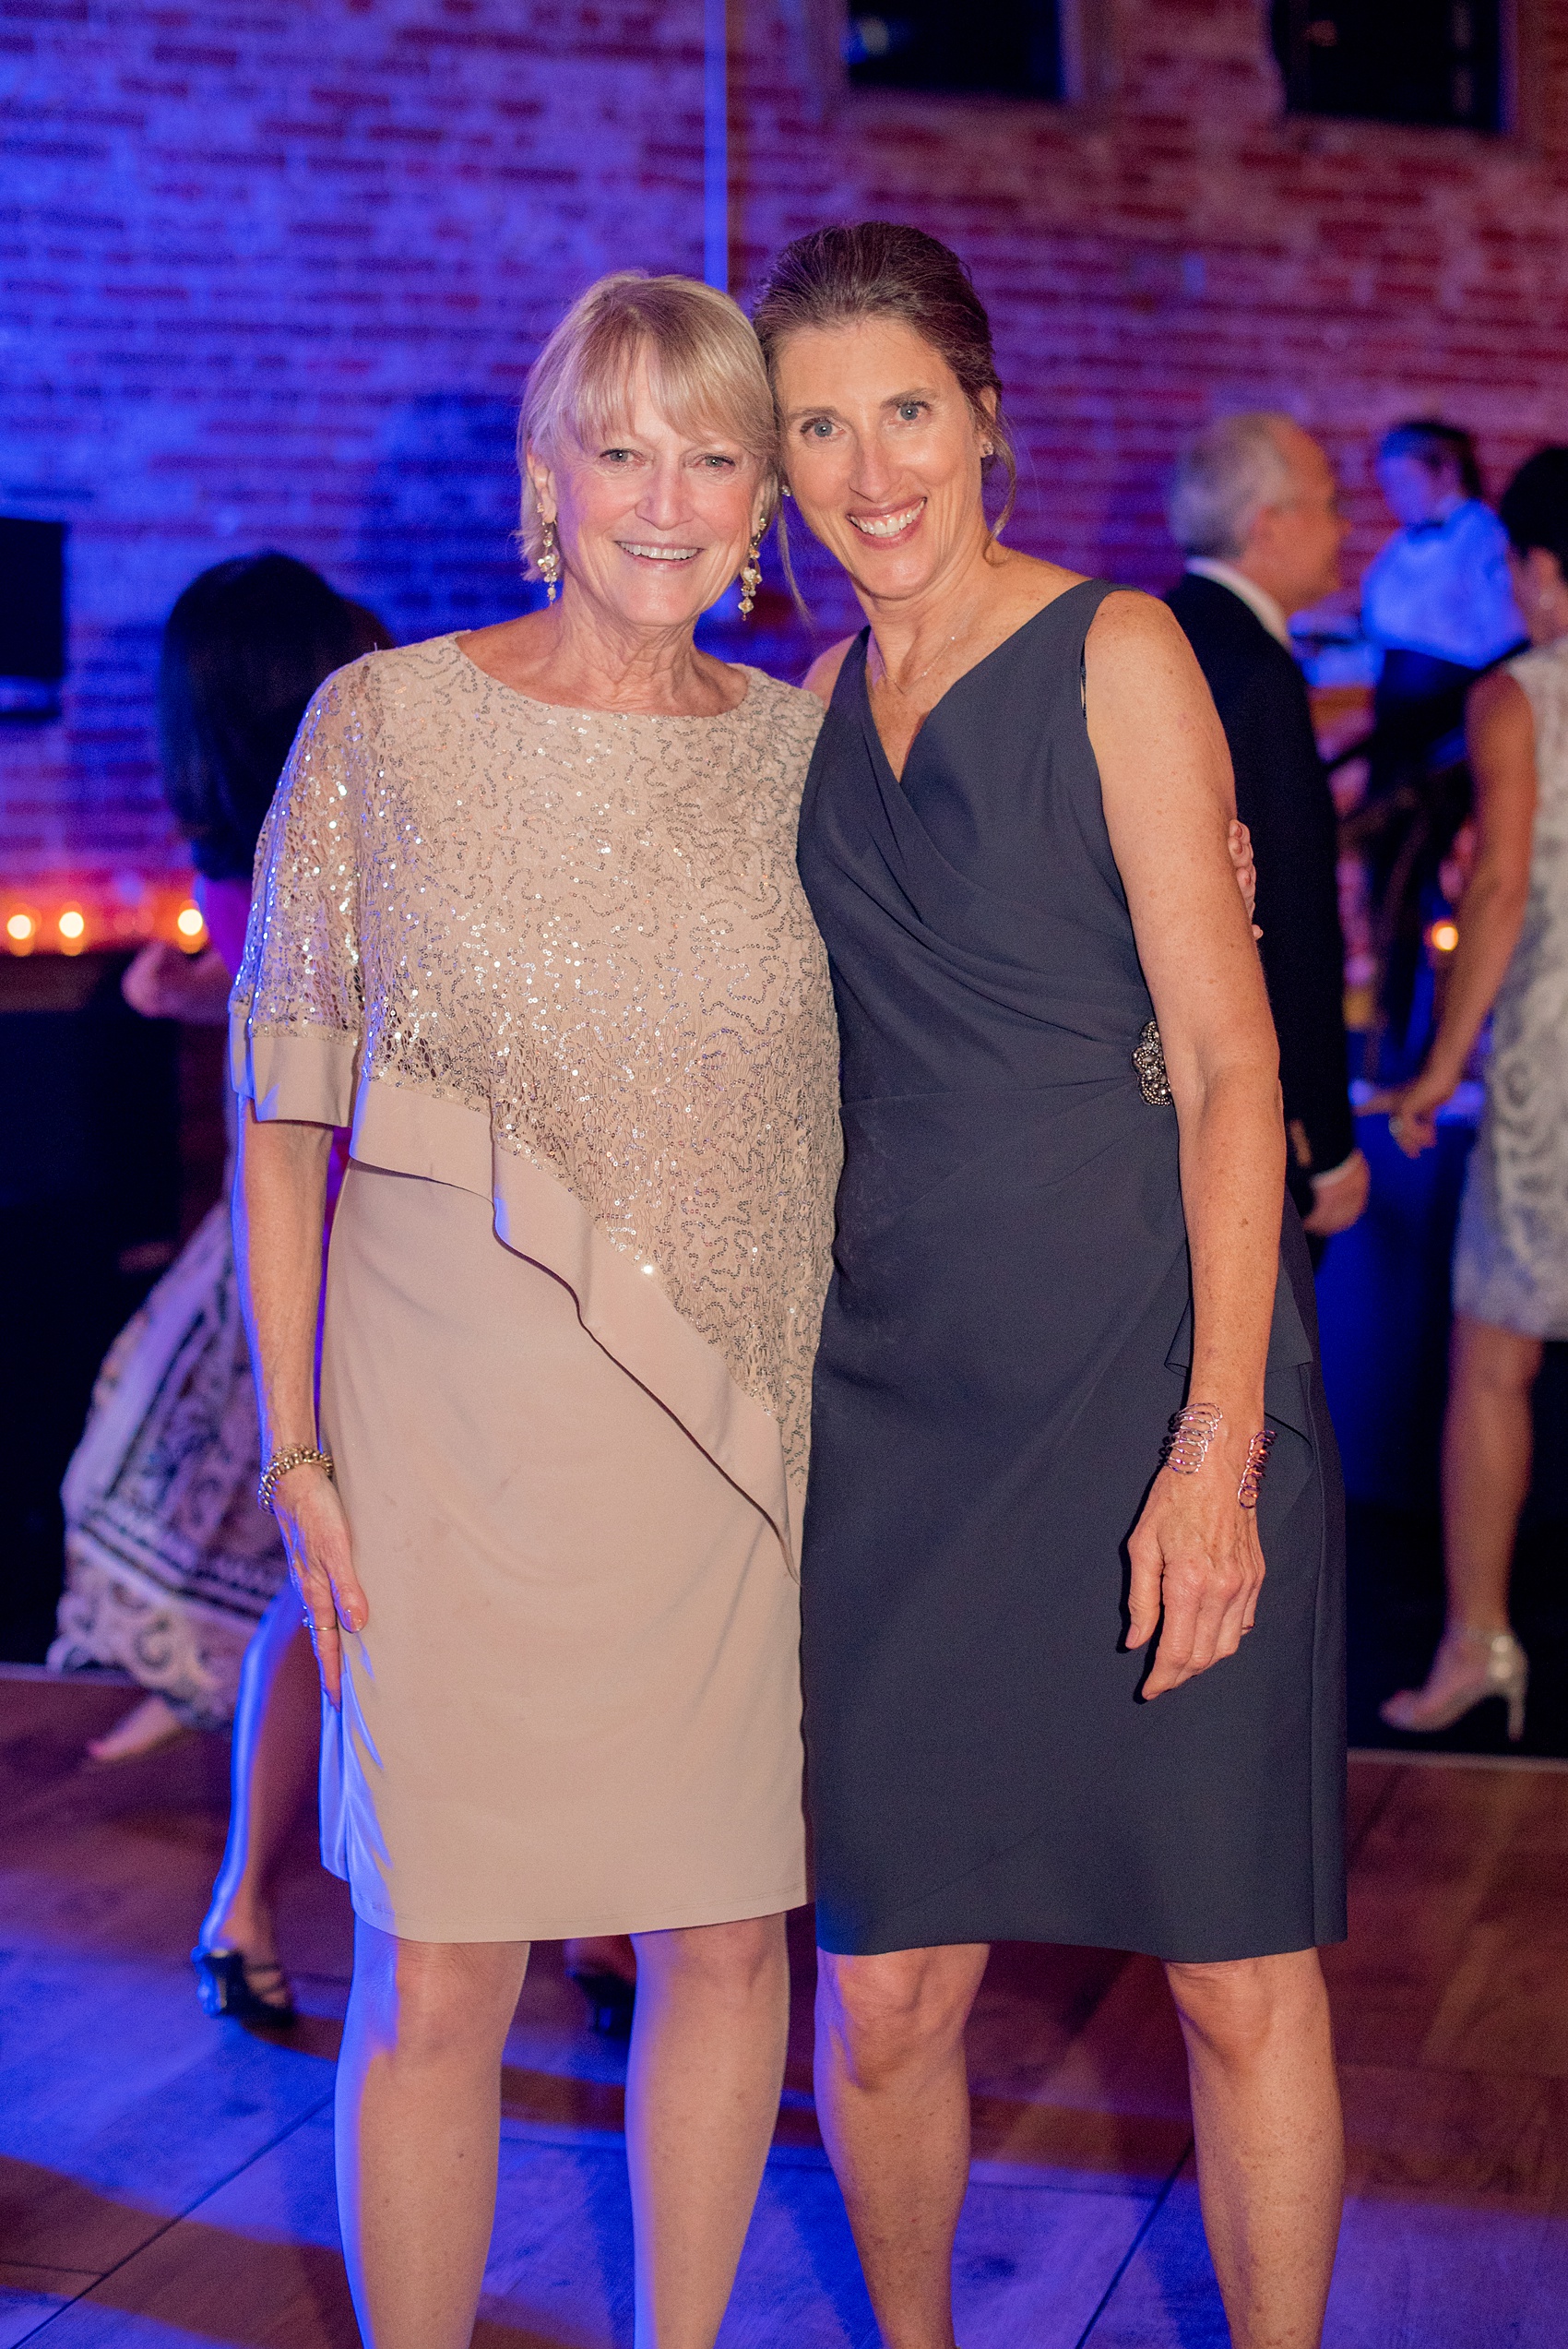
1224	477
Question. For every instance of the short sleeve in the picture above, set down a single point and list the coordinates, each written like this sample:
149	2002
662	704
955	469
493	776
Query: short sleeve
296	1012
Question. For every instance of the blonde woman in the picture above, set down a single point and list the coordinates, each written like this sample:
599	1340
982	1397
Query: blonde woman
527	915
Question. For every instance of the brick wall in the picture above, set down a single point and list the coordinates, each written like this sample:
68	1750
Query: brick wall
272	274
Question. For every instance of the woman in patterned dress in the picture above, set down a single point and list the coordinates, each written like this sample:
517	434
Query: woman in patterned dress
170	1570
526	914
1511	1265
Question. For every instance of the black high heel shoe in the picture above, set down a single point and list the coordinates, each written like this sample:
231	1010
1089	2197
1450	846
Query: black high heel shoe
610	2000
228	1982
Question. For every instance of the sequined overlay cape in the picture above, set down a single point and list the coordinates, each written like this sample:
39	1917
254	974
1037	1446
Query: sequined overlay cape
562	958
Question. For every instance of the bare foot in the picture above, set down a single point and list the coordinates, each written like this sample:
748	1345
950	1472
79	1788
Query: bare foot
141	1732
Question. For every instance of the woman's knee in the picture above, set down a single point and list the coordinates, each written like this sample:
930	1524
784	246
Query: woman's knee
902	2007
735	1962
423	2002
1240	2006
1492	1362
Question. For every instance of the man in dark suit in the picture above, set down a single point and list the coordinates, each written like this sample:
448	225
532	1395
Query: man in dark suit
1253	504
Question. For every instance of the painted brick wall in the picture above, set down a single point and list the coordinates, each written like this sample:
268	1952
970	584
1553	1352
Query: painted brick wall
272	274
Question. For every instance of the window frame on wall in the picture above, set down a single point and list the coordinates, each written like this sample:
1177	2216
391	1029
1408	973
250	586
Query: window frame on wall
1084	32
921	46
1295	32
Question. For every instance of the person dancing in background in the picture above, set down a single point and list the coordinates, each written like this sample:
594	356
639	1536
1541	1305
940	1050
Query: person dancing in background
526	910
1511	1261
1059	1224
171	1572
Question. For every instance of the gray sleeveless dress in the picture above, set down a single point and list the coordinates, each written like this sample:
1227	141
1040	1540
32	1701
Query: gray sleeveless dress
1511	1263
1006	1333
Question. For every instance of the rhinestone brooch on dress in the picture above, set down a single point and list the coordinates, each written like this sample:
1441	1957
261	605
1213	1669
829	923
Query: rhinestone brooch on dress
1149	1059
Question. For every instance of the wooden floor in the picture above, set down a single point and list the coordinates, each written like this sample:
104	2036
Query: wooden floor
165	2180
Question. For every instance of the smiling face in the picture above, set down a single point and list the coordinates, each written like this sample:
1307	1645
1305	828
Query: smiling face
882	454
653	520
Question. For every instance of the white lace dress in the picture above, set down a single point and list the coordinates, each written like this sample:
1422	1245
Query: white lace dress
1511	1265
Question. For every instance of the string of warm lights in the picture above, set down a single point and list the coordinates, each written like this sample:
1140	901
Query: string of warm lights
74	925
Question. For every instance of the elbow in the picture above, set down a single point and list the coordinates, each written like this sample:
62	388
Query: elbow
1495	897
1233	1082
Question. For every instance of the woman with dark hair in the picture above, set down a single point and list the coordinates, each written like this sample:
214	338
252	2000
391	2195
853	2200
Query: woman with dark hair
1511	1264
173	1573
1048	1694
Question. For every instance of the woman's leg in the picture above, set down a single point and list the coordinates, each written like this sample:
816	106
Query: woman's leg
1271	2153
1487	1439
276	1756
150	1724
893	2098
702	2094
419	2119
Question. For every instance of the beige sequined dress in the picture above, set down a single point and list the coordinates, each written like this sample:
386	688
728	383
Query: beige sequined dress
556	969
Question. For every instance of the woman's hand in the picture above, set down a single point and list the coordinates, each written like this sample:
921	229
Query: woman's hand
1195	1556
1239	841
315	1535
1412	1109
164	982
1499	732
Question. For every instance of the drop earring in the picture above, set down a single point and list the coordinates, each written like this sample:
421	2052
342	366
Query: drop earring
751	576
549	563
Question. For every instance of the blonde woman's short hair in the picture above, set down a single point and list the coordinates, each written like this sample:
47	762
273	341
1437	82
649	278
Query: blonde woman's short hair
704	368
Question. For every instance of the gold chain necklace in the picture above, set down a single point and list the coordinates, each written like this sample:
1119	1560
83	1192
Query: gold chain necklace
904	692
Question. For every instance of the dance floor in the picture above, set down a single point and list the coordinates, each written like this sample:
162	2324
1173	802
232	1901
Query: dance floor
166	2180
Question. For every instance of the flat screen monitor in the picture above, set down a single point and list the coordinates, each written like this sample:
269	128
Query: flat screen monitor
33	617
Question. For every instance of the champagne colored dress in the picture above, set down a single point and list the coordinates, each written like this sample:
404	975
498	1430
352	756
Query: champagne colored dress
556	969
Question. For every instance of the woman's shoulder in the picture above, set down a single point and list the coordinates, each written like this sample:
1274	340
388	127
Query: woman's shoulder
778	707
1536	681
1128	625
361	685
821	677
1542	660
1047	601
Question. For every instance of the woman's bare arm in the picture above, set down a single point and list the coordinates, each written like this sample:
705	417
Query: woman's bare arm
279	1210
1169	802
1501	734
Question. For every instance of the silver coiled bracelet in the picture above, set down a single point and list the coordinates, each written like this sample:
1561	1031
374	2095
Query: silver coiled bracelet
1191	1433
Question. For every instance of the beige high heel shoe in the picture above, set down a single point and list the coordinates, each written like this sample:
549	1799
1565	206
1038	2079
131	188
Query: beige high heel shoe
1469	1666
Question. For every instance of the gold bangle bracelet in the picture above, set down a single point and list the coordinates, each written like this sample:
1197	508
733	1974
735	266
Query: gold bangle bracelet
280	1466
